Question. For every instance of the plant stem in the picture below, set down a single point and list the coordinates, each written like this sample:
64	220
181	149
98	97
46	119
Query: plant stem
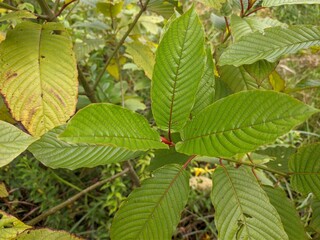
63	7
9	7
74	198
188	161
142	10
87	88
258	166
45	8
132	174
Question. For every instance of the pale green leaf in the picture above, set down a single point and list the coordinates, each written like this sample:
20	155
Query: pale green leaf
46	234
215	4
152	211
17	15
243	209
10	226
111	125
273	3
55	153
270	45
237	78
287	211
82	49
305	168
142	56
315	220
180	60
38	75
254	118
110	9
206	90
12	142
163	7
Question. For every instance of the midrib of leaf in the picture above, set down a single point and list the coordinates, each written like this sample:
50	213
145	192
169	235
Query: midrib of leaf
175	81
160	200
235	129
237	198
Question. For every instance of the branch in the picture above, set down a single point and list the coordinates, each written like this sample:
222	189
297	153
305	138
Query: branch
87	88
9	7
132	174
142	10
73	198
45	8
63	8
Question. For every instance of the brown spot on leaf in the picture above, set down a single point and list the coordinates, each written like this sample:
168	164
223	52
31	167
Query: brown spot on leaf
9	75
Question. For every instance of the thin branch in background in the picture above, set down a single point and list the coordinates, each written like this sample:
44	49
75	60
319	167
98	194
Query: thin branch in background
255	10
45	8
74	198
87	88
188	161
132	174
64	7
120	79
242	8
142	10
9	7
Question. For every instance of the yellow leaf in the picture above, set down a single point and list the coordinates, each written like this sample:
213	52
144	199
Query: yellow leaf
3	190
277	82
113	68
10	226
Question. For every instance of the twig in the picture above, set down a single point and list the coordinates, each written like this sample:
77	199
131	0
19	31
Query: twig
188	161
87	88
64	7
242	8
255	10
132	174
45	8
142	10
9	7
74	198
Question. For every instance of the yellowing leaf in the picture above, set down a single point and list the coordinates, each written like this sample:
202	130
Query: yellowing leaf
46	234
10	226
277	82
110	9
38	75
3	190
113	67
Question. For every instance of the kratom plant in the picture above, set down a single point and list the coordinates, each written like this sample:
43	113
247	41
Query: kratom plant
230	107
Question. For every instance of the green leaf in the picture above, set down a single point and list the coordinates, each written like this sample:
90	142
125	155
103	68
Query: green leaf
55	153
38	75
305	167
166	156
152	211
237	78
260	70
83	49
163	7
177	72
206	90
315	220
254	118
270	45
47	234
287	211
10	226
281	155
243	210
142	56
273	3
12	142
17	15
110	9
111	125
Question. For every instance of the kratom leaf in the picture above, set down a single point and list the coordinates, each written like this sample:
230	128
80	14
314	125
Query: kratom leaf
152	211
270	45
237	78
206	90
12	142
46	234
88	45
10	226
142	56
55	153
177	72
110	9
166	156
111	125
17	15
273	3
277	82
254	118
243	210
287	211
243	26
315	220
38	75
163	7
4	113
304	84
305	168
260	70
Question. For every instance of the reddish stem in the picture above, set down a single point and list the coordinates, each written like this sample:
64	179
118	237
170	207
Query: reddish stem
188	161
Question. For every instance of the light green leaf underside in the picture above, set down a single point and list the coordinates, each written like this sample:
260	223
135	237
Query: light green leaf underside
273	3
46	234
254	118
152	211
305	168
206	90
243	26
38	75
10	226
315	220
17	15
270	45
142	56
55	153
111	125
243	210
179	66
12	142
288	214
